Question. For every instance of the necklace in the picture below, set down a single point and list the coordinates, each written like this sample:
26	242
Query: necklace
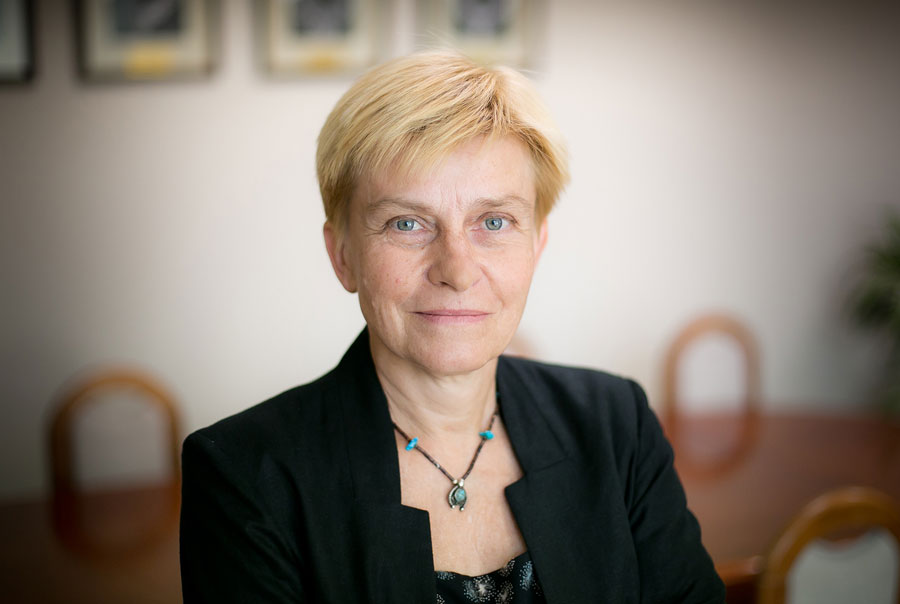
457	495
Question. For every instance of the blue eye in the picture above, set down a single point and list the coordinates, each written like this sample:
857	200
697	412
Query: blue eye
405	224
493	223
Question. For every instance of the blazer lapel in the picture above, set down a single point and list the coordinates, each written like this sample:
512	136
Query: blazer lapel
564	510
394	541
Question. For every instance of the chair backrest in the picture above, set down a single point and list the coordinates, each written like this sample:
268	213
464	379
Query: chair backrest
69	498
672	412
834	514
702	326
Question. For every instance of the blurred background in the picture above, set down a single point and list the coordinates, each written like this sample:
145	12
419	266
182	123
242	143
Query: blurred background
726	157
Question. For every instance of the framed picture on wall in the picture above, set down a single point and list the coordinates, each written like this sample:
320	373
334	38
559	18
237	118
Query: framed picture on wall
145	39
309	37
16	40
490	31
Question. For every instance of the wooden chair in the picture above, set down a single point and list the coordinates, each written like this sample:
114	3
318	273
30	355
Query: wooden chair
672	413
835	514
69	501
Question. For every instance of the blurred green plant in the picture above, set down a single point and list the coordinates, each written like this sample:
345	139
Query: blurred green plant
876	304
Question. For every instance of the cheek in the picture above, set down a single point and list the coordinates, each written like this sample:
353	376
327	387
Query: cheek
514	273
389	276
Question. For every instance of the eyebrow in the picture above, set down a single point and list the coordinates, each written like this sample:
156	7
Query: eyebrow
396	202
417	206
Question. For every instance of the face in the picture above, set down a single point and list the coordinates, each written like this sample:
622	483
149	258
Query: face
443	261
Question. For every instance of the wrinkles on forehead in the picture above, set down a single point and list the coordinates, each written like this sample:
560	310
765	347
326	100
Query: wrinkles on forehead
385	205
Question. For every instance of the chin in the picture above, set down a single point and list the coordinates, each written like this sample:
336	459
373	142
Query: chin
456	359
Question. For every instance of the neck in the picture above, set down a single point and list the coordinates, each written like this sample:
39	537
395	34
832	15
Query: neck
431	406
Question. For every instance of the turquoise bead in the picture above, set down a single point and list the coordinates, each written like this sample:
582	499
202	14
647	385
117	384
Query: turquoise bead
487	435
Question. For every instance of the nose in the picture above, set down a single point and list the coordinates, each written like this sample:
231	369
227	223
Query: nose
453	262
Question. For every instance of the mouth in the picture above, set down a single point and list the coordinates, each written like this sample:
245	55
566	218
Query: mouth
452	316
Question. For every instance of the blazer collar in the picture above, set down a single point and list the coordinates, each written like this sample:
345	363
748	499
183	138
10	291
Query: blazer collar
390	536
571	515
368	428
534	441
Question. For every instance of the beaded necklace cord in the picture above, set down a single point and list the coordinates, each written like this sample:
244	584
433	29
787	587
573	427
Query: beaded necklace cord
457	495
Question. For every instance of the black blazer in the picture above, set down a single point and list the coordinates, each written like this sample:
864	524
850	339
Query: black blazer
298	499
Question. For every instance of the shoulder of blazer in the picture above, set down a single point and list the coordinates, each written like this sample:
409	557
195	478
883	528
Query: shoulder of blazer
284	440
273	419
593	416
573	393
302	432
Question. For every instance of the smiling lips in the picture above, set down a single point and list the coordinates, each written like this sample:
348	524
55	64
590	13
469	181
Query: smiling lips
452	316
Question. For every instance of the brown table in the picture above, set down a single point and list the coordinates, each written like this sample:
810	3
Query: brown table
786	461
783	463
36	567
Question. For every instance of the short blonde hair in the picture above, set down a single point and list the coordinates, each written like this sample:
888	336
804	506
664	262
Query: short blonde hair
409	113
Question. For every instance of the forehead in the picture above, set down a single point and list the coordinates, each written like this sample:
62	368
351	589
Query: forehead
480	171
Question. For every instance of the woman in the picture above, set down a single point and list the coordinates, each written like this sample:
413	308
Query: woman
426	467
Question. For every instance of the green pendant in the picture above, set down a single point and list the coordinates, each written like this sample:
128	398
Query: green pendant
457	495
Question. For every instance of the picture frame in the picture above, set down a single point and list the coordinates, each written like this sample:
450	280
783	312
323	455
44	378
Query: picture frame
488	31
17	63
319	37
146	40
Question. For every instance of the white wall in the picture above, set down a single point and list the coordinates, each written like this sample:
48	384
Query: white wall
722	158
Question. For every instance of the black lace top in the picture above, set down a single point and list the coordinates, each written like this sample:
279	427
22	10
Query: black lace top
515	582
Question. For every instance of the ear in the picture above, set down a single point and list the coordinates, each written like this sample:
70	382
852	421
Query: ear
541	242
337	252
